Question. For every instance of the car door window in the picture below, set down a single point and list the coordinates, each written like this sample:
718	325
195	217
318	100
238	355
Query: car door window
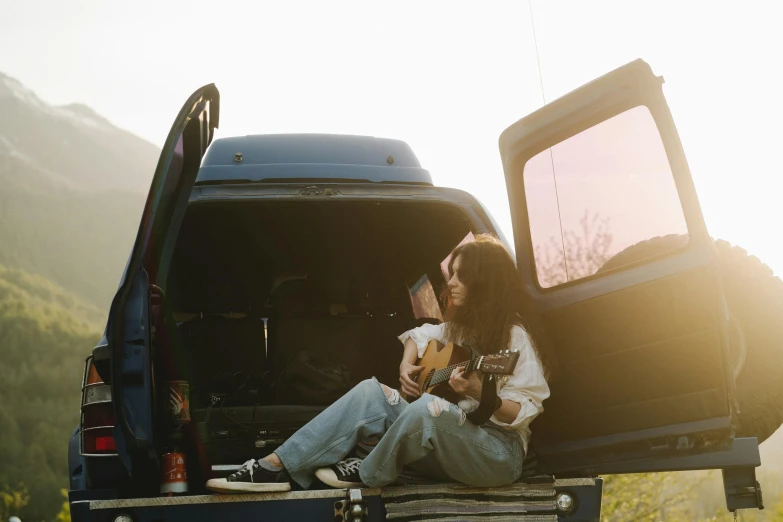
599	192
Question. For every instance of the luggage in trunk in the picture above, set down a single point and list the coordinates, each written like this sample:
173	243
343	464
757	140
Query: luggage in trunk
229	436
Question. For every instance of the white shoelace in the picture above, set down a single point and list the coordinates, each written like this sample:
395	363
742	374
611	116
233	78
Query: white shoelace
349	465
247	466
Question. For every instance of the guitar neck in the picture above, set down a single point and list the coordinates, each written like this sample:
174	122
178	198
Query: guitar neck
442	375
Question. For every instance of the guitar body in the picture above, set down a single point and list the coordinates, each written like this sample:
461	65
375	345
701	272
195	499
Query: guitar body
438	356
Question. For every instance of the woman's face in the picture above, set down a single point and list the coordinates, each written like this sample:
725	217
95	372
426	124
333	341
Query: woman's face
457	290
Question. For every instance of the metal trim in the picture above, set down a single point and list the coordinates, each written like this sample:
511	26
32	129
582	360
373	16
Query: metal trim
83	403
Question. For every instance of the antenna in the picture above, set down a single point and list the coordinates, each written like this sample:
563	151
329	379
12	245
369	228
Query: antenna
538	56
551	157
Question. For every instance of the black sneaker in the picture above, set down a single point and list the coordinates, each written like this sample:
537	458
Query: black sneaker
252	478
344	474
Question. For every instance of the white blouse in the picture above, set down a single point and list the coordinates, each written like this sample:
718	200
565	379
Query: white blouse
526	386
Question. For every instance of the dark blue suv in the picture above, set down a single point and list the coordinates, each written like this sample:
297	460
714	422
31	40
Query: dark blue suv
254	249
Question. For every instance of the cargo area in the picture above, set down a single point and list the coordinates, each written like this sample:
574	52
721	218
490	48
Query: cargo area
272	310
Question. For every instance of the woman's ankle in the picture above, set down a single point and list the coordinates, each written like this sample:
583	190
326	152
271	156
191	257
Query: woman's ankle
274	460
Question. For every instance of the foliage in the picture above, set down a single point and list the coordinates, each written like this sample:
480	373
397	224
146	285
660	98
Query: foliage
65	513
645	496
694	496
578	254
45	335
13	500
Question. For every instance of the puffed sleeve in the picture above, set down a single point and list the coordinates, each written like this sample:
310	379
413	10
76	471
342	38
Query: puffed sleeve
424	334
527	385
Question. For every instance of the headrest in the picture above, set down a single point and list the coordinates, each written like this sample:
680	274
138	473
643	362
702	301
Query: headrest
299	297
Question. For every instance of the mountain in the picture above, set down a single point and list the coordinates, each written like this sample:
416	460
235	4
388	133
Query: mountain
72	145
72	188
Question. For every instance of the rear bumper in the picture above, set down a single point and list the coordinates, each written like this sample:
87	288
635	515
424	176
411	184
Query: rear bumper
326	504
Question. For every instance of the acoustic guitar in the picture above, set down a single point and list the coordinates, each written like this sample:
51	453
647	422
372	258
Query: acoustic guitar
439	361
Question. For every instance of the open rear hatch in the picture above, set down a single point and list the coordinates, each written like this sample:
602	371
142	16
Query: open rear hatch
129	336
640	334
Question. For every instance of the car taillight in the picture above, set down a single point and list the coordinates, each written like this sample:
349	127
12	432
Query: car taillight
92	374
98	416
99	441
97	419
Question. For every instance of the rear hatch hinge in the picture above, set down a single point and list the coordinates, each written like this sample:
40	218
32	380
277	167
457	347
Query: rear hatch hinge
742	489
352	509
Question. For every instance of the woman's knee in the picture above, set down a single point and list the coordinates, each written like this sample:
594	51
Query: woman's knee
430	408
392	395
366	384
369	388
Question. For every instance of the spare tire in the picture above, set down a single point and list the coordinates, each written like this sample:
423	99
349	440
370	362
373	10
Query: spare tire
754	296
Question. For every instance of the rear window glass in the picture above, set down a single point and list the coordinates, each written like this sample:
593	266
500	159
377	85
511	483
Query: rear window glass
595	199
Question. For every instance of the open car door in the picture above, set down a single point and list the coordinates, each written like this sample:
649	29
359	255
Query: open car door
128	331
612	246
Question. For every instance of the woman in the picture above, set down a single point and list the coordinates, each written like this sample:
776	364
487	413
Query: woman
485	310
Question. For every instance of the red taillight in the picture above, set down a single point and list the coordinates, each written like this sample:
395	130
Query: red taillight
99	440
105	444
97	414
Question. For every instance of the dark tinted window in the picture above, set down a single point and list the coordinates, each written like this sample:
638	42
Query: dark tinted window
598	193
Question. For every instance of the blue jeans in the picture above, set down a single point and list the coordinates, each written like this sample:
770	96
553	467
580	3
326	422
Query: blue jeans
429	434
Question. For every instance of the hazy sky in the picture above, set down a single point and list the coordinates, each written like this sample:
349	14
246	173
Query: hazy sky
447	77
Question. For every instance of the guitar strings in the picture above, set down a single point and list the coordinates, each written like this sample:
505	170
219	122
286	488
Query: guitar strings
444	373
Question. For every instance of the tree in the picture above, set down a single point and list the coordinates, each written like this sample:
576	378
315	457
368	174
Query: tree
45	335
65	513
13	500
578	254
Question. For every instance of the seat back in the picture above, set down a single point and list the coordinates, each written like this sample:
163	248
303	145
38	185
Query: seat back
361	334
223	354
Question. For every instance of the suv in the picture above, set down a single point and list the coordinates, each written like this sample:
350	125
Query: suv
256	249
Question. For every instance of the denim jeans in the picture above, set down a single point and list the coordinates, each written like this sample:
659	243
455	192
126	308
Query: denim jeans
430	434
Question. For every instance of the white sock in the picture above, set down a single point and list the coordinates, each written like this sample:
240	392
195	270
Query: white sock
267	466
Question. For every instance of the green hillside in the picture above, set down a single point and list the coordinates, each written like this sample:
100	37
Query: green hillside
72	189
79	240
45	335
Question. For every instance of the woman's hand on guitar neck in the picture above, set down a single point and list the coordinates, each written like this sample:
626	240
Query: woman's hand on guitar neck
470	385
408	370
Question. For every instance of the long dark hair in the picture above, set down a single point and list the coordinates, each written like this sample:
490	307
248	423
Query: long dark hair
495	301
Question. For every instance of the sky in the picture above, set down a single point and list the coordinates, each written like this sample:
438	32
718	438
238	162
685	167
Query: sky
447	77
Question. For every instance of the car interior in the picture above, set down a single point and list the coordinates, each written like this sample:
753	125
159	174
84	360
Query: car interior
261	293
